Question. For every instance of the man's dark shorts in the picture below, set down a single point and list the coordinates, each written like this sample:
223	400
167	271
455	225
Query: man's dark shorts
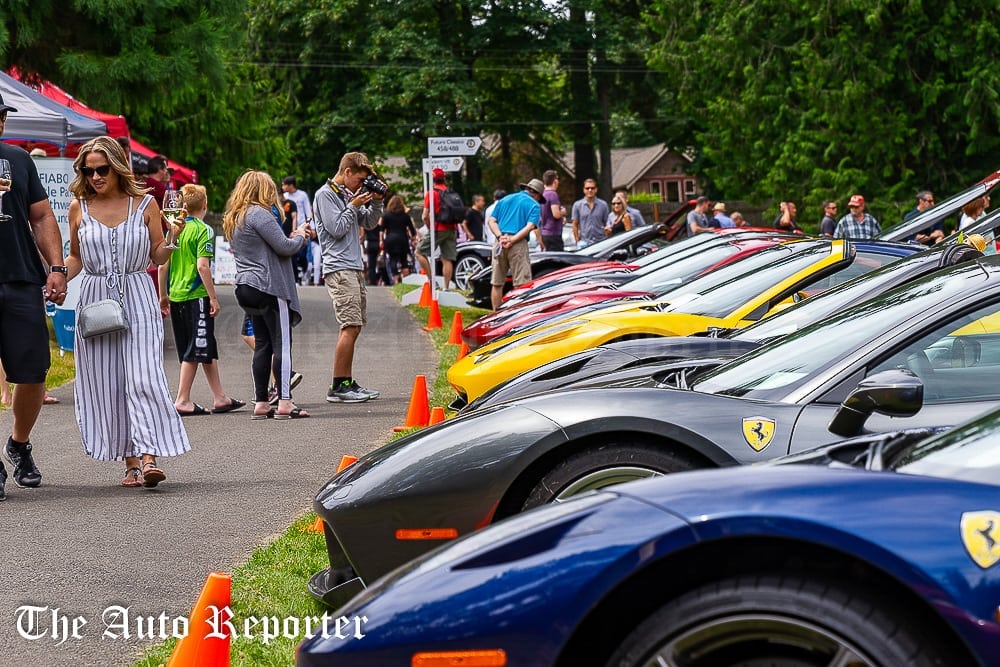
445	239
24	336
194	330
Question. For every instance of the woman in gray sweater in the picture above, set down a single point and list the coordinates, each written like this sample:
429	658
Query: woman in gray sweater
265	285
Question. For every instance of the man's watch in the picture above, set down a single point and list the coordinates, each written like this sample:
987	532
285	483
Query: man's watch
56	268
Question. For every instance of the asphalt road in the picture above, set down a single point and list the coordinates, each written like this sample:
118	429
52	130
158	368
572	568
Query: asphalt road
81	543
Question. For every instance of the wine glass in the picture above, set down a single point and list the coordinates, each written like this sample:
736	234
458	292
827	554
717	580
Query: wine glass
4	180
173	212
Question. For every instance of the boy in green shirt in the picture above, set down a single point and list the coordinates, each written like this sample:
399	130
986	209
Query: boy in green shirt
192	305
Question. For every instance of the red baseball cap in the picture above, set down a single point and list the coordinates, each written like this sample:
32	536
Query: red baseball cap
856	200
437	172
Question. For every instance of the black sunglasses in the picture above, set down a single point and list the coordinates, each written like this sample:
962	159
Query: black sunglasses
103	170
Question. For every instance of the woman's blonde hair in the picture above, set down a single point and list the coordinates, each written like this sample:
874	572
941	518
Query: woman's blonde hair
253	188
195	197
120	164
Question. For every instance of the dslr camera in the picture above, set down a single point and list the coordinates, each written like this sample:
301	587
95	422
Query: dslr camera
373	183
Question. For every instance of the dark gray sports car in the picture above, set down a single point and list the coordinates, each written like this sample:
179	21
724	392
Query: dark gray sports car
924	354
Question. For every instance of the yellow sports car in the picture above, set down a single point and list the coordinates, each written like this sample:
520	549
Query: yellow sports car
733	296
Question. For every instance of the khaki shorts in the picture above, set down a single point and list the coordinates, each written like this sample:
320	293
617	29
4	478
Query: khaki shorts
347	291
446	240
514	259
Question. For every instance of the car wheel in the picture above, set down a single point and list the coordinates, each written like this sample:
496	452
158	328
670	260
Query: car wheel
465	267
609	464
788	621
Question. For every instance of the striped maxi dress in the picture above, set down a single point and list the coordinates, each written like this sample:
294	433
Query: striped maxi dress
123	403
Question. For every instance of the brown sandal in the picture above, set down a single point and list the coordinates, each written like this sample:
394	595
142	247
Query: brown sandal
151	475
133	477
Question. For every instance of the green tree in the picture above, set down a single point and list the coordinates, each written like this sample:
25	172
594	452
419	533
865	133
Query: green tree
808	99
172	67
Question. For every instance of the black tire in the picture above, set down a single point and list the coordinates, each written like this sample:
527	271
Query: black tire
778	621
602	466
465	266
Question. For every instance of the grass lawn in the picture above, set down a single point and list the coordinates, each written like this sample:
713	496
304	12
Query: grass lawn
273	581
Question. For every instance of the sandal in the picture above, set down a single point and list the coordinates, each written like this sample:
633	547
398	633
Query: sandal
296	413
257	416
133	477
151	475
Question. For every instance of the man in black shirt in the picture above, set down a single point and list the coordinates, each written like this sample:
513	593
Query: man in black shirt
30	236
473	223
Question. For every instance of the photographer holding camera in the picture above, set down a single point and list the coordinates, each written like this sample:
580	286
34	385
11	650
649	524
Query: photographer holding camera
349	201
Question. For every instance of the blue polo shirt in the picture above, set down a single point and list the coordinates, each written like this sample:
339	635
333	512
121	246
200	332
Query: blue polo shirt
514	212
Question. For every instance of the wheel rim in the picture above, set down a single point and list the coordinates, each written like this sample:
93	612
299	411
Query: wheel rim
755	640
598	479
464	270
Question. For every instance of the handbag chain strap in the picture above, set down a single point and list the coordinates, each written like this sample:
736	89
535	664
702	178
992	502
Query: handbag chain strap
113	277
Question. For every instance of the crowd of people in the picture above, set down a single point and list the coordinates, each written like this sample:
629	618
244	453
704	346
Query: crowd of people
139	263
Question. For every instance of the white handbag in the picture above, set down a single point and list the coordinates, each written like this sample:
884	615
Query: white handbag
106	315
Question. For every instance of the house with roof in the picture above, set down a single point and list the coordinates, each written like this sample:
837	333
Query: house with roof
658	169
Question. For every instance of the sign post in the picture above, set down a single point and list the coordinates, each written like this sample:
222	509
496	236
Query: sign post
446	154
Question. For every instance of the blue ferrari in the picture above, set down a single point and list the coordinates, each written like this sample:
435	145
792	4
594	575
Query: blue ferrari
880	551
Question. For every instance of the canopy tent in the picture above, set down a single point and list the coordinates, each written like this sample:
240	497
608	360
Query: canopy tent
40	119
179	173
117	127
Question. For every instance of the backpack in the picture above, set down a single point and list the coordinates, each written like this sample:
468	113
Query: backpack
452	209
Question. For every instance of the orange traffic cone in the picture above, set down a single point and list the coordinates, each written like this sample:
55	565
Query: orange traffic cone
316	527
434	318
425	295
200	647
455	337
462	351
346	461
437	415
418	412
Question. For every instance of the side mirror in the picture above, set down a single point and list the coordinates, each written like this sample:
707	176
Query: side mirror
619	255
896	393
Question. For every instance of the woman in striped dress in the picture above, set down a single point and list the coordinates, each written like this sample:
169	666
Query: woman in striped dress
123	404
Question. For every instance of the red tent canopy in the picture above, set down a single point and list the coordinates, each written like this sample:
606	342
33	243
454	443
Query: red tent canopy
117	127
179	173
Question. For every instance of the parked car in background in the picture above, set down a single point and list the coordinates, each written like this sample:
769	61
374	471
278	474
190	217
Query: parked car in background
600	361
734	296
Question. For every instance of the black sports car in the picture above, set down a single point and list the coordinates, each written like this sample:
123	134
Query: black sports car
924	354
598	362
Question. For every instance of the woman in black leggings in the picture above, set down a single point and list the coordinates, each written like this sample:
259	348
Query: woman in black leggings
265	285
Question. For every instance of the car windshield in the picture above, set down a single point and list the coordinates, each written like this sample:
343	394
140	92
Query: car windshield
719	293
970	452
607	245
660	279
775	370
907	228
853	291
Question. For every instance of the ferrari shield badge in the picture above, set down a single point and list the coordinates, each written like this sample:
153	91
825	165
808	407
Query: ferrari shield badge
981	537
758	431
